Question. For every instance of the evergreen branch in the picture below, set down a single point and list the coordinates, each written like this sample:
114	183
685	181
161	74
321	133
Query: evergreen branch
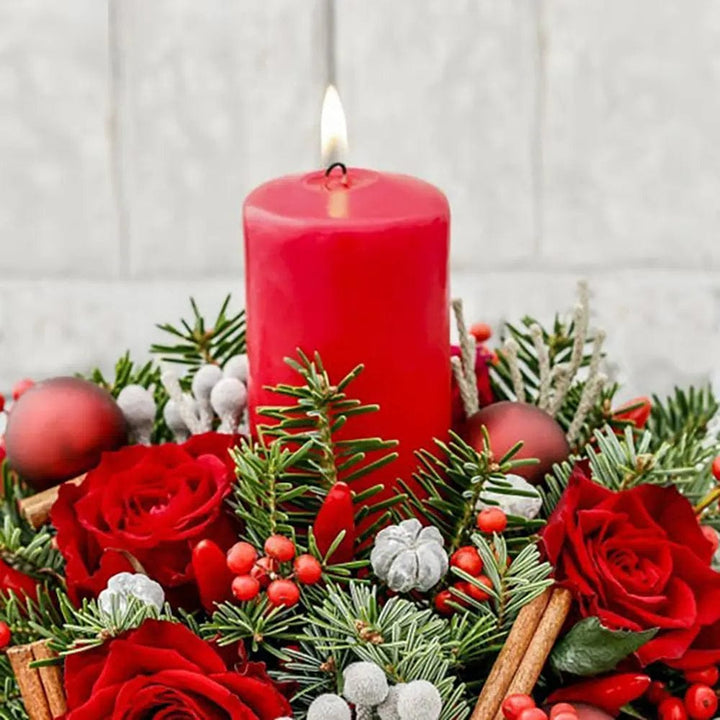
321	409
454	485
263	625
197	344
86	627
686	413
11	703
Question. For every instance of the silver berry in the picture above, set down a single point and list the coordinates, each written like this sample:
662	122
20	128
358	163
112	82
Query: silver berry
419	700
329	707
138	406
365	684
388	709
229	399
237	367
205	380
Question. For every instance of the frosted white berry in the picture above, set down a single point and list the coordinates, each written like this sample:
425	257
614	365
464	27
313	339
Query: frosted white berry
419	700
237	367
138	406
329	707
365	684
205	380
124	585
525	506
388	710
229	399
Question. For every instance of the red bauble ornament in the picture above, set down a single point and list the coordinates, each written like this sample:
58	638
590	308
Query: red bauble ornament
508	423
58	429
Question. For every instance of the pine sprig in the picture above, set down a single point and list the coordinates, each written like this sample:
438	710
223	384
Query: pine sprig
321	408
23	547
454	484
513	584
686	413
407	641
265	498
88	626
195	343
263	626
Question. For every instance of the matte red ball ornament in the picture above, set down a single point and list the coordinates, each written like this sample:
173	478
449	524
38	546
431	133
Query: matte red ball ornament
58	429
508	423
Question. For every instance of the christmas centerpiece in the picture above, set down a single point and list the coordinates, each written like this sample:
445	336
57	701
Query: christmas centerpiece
552	555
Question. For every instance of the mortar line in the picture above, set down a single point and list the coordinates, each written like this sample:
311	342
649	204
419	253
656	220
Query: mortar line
117	165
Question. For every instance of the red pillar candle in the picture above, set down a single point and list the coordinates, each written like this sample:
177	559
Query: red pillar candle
354	266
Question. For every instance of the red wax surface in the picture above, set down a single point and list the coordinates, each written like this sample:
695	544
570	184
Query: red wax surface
357	270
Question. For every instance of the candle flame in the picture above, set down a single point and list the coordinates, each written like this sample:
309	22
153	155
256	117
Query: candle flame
333	129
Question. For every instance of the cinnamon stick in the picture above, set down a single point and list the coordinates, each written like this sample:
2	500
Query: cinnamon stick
36	508
540	646
28	679
523	629
51	678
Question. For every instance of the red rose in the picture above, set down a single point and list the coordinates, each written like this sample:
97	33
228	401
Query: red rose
153	504
637	559
163	670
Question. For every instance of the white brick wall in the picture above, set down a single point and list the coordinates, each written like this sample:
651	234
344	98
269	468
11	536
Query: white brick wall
573	139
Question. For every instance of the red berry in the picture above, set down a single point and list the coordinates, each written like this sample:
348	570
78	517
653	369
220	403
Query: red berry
467	559
241	558
2	402
280	548
656	693
532	714
283	592
707	676
477	593
263	570
442	602
700	702
563	711
307	569
20	387
481	331
672	708
5	635
491	520
513	705
460	587
716	468
245	587
566	715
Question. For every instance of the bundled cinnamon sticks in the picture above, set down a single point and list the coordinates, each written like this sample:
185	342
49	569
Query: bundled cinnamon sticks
41	688
528	646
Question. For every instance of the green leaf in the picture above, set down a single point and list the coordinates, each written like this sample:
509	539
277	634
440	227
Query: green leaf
590	648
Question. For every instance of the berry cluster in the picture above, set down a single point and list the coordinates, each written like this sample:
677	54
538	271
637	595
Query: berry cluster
5	635
522	707
254	573
700	701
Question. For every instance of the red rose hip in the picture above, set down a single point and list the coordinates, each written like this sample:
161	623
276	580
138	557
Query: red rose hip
672	708
283	592
241	558
716	468
701	702
706	676
477	593
532	714
442	602
307	569
514	704
492	520
280	548
563	711
467	559
245	587
5	635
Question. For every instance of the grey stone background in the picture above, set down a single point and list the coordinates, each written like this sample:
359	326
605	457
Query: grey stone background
574	139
